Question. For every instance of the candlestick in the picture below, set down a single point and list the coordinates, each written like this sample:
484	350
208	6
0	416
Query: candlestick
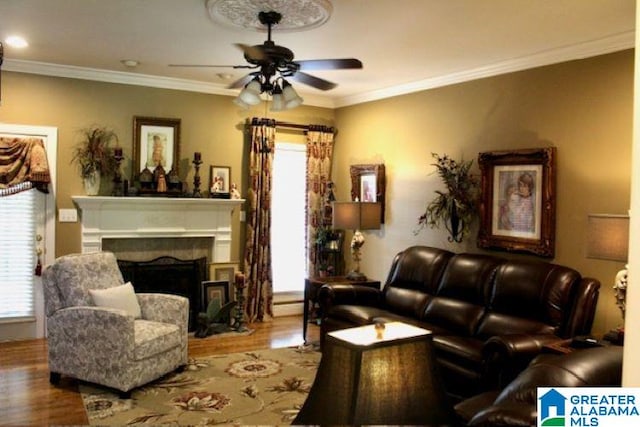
117	177
239	317
196	177
197	156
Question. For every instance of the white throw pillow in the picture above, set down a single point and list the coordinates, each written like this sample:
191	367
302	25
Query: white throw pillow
122	297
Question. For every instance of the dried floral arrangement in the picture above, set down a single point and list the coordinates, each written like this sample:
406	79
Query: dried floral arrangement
93	153
457	207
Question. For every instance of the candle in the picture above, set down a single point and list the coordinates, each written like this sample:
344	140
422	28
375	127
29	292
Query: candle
197	156
239	279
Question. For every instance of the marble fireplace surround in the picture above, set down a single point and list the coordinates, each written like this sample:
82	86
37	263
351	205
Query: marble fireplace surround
158	218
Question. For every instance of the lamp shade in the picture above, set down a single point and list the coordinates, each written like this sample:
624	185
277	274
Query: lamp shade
608	237
356	215
366	379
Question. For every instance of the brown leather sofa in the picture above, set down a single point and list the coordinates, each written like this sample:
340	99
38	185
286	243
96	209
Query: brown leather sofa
515	405
490	316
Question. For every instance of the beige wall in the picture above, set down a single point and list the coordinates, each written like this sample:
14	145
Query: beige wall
584	108
211	124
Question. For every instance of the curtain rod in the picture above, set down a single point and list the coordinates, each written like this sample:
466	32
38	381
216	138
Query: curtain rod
291	125
305	128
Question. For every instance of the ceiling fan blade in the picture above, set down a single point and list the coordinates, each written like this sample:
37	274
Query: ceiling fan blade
329	64
210	66
310	80
253	52
241	82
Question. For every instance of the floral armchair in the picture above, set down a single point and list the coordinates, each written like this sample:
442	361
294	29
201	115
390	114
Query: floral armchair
142	339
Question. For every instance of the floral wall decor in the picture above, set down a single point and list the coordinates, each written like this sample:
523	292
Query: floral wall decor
456	207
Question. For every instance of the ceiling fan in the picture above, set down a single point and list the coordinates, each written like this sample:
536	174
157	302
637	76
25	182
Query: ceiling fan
273	63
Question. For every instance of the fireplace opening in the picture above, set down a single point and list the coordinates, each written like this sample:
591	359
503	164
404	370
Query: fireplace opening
167	274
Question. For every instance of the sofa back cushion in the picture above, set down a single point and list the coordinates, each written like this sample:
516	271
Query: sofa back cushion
413	277
463	293
530	297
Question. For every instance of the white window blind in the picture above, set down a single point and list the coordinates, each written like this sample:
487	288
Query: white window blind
17	255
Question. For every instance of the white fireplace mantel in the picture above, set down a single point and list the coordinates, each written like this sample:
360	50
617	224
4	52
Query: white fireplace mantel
152	217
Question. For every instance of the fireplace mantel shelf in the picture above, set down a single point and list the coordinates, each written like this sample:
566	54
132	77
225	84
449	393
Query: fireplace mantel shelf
113	202
148	217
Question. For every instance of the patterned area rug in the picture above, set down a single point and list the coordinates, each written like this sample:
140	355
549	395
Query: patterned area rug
265	387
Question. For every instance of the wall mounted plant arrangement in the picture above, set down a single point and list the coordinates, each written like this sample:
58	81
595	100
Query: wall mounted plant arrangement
456	207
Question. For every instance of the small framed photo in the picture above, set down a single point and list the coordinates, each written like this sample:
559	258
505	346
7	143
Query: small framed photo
368	185
216	291
219	180
156	141
517	206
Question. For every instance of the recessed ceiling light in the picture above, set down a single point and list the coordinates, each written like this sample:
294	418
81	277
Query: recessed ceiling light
224	76
131	63
16	41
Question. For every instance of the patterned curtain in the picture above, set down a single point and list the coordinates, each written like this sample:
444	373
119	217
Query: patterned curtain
23	165
257	259
319	155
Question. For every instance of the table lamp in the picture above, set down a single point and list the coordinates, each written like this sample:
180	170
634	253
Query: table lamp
608	238
356	216
377	375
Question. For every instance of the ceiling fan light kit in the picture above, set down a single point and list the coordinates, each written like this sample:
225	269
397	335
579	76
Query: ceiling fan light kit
251	93
272	62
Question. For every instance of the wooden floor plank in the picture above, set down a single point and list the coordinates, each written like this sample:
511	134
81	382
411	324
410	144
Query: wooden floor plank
27	397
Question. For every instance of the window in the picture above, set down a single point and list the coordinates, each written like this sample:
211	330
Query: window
288	254
17	255
28	323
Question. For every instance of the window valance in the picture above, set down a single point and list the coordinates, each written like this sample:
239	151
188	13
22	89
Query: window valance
23	165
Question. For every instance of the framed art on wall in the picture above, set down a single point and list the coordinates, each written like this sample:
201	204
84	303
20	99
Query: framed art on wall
368	185
517	205
156	141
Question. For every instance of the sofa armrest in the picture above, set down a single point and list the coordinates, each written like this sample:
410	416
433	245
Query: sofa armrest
164	308
332	294
85	330
505	356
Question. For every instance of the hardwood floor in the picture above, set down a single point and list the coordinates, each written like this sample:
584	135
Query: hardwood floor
27	397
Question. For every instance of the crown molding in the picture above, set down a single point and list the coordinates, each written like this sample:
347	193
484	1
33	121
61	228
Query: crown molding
583	50
597	47
136	79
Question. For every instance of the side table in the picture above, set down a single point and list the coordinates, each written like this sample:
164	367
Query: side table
313	284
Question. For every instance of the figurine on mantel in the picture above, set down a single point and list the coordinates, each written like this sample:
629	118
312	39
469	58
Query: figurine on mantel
235	194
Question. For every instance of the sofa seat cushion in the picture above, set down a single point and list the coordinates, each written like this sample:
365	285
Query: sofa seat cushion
152	338
465	352
504	324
